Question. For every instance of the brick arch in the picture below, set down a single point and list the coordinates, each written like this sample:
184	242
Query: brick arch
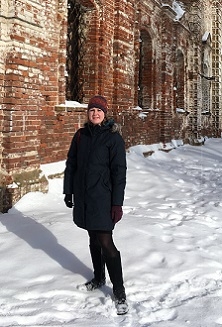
145	82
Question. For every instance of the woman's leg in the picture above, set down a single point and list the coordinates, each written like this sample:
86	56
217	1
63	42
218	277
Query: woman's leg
105	241
114	267
97	260
113	262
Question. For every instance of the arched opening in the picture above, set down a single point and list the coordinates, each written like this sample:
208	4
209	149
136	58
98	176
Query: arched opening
179	81
206	87
206	74
145	71
75	51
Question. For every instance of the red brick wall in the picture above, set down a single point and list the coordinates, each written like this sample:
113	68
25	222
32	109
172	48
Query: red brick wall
33	84
35	128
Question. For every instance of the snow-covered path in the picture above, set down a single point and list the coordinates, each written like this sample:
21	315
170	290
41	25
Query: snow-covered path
170	239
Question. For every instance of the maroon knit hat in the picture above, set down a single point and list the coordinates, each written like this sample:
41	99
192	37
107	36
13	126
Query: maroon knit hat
98	101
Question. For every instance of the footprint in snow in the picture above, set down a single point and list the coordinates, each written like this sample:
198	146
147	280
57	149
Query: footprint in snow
159	315
167	238
156	259
175	216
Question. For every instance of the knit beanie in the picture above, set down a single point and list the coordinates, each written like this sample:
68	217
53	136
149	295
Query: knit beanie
98	101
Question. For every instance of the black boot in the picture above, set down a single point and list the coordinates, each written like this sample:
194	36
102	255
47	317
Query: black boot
114	267
99	269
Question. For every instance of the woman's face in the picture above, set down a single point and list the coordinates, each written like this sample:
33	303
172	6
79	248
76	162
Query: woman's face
96	116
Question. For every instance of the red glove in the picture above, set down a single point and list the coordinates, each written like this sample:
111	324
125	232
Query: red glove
117	213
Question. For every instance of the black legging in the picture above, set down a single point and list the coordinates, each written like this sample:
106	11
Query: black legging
103	240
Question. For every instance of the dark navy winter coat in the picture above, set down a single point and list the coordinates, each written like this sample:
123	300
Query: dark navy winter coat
96	174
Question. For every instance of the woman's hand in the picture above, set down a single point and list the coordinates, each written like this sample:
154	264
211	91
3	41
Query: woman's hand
68	200
117	213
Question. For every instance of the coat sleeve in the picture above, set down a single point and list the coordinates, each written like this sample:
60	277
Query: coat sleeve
118	169
71	164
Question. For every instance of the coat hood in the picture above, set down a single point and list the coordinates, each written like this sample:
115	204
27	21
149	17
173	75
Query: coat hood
109	124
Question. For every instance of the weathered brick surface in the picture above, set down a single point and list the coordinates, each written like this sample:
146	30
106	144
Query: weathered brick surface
135	52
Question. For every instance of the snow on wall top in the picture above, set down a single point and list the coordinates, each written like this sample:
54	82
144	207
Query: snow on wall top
178	8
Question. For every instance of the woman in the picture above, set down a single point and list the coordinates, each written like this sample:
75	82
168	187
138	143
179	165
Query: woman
95	179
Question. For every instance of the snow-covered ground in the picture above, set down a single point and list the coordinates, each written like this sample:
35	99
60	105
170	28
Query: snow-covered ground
170	239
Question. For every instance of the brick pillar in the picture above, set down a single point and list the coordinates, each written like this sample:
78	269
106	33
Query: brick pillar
166	77
123	56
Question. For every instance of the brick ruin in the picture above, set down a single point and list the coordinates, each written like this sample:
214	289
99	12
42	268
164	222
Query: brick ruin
157	62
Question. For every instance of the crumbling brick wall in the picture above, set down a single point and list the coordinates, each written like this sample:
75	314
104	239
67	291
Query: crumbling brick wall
134	52
31	87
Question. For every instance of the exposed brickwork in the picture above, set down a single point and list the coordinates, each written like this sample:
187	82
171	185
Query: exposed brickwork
135	53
